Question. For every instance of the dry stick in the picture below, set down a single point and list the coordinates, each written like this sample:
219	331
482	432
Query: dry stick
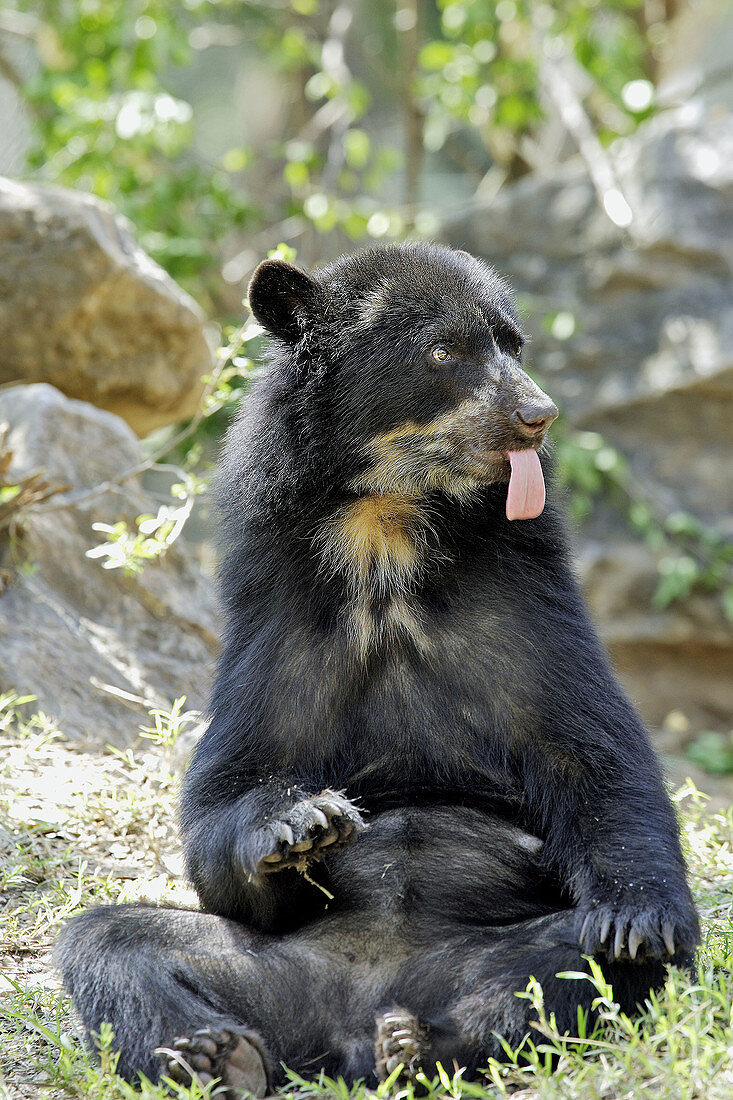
603	177
409	36
72	499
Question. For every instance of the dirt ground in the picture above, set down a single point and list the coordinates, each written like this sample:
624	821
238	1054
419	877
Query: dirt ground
80	828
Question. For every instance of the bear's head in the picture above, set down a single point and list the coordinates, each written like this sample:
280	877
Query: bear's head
408	358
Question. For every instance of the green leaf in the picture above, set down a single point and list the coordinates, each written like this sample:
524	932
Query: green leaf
357	148
436	55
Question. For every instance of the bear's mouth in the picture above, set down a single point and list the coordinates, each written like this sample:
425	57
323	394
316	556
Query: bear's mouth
522	469
415	458
525	497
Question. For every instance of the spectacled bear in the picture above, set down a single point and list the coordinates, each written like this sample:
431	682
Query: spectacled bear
421	783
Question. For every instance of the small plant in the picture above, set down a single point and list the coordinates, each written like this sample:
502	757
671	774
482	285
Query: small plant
131	549
689	555
18	493
168	724
713	752
11	705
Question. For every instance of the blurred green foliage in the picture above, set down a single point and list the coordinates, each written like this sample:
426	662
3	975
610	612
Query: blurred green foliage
713	752
484	69
106	118
104	121
462	81
689	555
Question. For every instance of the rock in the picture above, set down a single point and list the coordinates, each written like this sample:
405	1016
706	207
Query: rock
84	308
676	658
645	358
97	648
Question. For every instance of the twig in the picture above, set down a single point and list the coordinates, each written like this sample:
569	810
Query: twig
570	108
9	72
19	23
73	498
31	489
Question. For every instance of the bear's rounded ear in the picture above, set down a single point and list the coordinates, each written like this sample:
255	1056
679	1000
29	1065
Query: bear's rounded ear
281	298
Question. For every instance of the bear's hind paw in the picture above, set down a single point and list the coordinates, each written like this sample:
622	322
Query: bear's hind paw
237	1058
400	1041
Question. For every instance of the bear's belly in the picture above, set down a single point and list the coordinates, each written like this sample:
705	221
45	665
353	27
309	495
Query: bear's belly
418	864
437	726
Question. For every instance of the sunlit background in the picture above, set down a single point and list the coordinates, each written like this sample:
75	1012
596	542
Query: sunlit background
221	127
585	147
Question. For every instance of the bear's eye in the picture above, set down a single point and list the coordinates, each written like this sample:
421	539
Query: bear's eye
440	355
518	350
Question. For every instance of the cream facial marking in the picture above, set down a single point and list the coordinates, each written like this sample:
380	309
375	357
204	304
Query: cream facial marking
417	458
379	542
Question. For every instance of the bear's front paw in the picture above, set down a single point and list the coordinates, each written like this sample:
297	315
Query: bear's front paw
308	830
628	930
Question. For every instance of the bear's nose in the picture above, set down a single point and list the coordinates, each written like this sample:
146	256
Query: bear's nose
535	416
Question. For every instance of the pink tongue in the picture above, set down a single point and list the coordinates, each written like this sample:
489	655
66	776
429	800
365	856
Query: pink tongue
526	496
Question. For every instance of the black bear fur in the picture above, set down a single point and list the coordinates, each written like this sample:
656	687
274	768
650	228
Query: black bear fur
421	783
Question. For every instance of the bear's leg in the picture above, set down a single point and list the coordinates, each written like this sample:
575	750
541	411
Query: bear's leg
187	989
463	993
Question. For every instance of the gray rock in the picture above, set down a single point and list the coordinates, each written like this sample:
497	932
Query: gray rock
673	659
97	648
649	366
84	308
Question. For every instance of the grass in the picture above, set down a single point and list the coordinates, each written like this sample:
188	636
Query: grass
77	829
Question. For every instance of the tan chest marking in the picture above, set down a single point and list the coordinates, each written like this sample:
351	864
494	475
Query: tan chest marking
377	543
376	535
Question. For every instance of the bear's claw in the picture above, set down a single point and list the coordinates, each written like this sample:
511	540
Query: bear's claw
400	1041
311	827
626	932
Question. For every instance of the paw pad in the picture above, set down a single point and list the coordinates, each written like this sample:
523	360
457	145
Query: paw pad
237	1059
